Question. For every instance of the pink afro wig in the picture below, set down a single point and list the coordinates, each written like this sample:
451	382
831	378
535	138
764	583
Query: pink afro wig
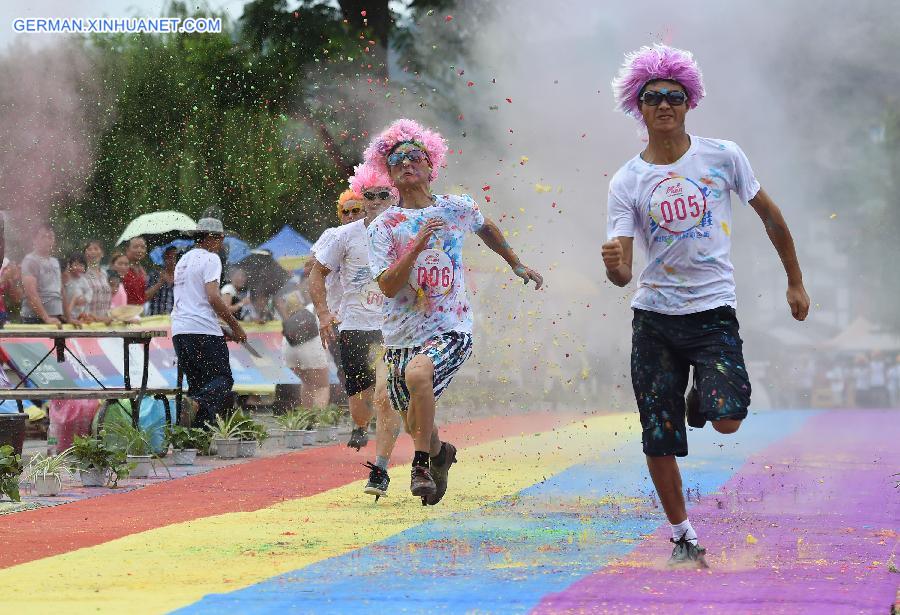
365	177
399	131
652	63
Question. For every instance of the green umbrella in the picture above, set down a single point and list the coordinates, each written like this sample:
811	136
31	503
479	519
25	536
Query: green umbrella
157	223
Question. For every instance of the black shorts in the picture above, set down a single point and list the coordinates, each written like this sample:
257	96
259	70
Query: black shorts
663	350
359	352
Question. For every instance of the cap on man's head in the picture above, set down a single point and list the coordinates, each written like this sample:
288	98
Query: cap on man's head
209	226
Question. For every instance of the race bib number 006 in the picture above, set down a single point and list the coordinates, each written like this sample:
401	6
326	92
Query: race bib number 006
677	204
433	273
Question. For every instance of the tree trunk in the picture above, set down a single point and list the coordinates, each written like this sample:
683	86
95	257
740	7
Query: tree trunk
331	147
375	25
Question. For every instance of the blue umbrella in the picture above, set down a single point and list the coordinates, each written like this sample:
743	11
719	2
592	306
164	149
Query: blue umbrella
237	249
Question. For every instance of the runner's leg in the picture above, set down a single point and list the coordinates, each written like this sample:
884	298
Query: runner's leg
420	418
315	391
387	418
361	408
667	480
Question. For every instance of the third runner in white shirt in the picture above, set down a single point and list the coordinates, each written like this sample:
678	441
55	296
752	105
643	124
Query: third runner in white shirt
360	320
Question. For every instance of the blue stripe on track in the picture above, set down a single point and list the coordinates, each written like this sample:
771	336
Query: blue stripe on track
506	556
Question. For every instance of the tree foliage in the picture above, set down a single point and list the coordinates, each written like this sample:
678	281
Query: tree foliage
259	120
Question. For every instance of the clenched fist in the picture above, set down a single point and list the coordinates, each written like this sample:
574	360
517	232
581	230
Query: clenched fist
613	254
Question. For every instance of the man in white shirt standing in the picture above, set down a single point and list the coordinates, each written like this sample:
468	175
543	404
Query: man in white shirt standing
360	319
675	198
197	336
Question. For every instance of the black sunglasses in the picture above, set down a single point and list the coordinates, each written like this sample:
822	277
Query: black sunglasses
673	97
351	212
382	194
415	155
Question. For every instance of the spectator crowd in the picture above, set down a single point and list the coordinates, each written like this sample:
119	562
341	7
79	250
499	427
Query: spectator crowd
83	287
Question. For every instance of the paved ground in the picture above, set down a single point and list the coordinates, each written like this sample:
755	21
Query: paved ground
545	514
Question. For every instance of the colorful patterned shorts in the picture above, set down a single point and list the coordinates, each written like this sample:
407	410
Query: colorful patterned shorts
447	351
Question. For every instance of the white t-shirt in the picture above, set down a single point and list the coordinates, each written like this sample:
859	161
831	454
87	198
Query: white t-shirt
192	312
434	301
680	215
78	287
361	303
333	289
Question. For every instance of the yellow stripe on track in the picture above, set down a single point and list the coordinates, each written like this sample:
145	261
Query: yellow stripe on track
166	568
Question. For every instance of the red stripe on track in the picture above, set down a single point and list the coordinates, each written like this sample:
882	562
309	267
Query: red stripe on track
33	535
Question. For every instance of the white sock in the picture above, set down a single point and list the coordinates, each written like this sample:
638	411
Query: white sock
684	529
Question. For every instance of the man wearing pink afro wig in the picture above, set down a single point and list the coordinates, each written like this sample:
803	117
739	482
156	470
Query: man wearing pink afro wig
675	198
359	321
415	252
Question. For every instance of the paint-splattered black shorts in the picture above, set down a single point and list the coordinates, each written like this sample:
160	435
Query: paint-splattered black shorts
663	350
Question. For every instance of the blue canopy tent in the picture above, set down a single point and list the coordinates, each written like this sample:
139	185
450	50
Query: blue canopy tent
288	247
237	249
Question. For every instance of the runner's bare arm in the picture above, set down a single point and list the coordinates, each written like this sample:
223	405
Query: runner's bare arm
780	236
318	293
617	256
394	278
317	289
493	238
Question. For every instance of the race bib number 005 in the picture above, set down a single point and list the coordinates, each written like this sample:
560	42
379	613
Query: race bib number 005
677	204
433	273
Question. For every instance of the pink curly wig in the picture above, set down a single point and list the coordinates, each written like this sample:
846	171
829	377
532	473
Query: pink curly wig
365	177
653	63
399	131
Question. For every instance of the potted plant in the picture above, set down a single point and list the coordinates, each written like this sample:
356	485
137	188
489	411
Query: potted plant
10	470
252	434
136	443
328	419
98	464
45	472
310	427
226	434
187	443
253	437
296	425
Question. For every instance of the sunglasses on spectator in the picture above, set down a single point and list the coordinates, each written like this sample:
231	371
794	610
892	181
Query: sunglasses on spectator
382	194
351	212
673	97
413	155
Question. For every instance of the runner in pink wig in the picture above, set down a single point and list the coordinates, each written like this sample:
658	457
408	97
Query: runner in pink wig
673	201
659	62
406	131
416	257
367	177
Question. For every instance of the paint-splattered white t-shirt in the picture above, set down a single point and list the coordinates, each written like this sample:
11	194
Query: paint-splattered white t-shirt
361	301
434	301
680	214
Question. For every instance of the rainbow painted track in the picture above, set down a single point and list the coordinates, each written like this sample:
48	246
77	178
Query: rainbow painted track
798	511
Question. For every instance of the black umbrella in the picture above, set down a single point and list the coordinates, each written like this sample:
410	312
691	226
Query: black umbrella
265	276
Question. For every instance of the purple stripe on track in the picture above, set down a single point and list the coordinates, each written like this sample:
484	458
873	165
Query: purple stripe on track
809	525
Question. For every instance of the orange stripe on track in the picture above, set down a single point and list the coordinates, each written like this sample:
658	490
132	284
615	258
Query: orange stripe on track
33	535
